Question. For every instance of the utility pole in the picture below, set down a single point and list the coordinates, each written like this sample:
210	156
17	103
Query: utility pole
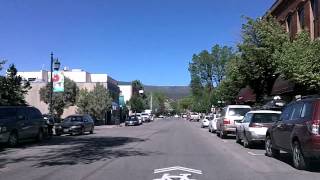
151	103
51	85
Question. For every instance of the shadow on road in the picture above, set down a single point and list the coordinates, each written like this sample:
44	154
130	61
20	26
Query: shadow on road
68	150
287	158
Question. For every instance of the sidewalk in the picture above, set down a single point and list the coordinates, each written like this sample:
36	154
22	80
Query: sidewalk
108	126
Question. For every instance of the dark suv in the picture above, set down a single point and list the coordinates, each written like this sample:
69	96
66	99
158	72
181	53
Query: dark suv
20	122
77	124
297	132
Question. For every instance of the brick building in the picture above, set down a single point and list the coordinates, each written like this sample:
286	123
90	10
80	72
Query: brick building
296	15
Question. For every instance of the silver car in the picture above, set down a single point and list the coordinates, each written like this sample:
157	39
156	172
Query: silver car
230	116
254	126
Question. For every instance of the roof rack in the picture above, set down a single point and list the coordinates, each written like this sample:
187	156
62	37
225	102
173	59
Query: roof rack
311	96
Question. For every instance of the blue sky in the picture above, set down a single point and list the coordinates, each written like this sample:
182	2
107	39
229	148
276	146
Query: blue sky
150	40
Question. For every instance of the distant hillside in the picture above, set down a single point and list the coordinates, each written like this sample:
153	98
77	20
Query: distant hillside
173	92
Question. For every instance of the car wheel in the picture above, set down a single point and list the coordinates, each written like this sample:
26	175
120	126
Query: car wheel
246	143
13	139
82	131
270	151
299	162
238	140
209	129
91	131
222	134
40	136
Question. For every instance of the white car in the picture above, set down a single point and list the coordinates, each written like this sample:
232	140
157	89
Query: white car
213	123
139	118
205	121
176	116
254	126
145	117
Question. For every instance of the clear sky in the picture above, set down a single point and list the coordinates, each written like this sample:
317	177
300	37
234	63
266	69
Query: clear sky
150	40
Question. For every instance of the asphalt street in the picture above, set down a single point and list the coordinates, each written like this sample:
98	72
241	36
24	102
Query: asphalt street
140	153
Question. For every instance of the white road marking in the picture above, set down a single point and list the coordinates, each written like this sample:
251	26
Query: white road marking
172	177
177	168
254	154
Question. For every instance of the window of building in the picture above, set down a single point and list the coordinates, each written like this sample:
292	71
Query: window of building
301	18
289	19
314	5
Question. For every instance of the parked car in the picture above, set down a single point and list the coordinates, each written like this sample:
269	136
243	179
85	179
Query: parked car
176	116
297	132
138	115
54	125
194	117
145	117
213	123
184	115
161	116
205	121
19	123
230	116
132	121
254	126
78	124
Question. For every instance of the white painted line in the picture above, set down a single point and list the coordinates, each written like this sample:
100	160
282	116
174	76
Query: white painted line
254	154
176	168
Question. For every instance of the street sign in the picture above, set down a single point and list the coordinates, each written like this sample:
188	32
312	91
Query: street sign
58	81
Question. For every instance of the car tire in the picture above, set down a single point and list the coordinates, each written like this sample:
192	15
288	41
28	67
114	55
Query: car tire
81	131
222	135
40	134
13	139
238	140
91	131
270	150
299	161
209	129
246	143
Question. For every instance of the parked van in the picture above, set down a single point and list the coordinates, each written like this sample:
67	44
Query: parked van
19	123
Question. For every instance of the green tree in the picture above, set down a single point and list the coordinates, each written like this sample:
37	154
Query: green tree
136	86
100	101
300	62
83	101
262	38
12	87
137	103
60	100
207	69
185	103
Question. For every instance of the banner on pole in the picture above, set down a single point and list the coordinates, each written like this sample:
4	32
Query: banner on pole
58	81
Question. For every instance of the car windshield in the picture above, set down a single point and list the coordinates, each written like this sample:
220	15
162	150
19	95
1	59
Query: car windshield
74	119
238	111
131	118
265	117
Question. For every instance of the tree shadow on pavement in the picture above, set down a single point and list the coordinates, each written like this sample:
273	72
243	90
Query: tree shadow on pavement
68	150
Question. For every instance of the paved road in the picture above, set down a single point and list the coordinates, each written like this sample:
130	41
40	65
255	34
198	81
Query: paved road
133	153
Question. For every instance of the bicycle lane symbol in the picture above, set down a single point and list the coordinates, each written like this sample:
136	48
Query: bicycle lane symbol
181	176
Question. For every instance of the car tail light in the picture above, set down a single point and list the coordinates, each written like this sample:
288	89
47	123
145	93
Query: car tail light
226	121
315	127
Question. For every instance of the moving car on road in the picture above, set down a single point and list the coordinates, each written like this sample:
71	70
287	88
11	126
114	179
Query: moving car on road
297	132
205	121
20	123
230	116
254	126
78	124
194	117
132	121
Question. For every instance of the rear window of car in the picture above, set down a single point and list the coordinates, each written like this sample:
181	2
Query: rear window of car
265	117
75	119
238	111
132	118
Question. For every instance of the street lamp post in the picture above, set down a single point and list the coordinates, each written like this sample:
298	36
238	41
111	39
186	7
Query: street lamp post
54	65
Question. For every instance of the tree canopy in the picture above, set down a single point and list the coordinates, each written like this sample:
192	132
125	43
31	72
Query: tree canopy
12	87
